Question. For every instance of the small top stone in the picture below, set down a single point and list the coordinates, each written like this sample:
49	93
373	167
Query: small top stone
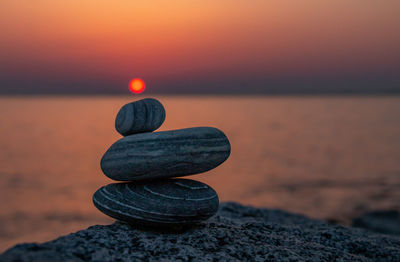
145	115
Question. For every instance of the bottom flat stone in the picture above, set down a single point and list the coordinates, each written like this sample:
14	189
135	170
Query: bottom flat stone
158	203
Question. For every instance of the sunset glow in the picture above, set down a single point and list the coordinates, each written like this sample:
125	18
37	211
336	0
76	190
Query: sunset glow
137	86
198	45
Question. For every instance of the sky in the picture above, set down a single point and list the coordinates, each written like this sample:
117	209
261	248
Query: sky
208	46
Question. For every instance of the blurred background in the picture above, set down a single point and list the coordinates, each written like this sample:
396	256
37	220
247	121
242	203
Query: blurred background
306	91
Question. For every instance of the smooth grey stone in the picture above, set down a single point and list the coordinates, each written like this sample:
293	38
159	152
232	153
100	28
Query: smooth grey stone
144	115
166	154
158	203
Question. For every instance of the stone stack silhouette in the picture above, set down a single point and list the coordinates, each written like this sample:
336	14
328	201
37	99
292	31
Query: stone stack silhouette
150	161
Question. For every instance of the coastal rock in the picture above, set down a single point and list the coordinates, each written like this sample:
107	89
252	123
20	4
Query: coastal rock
381	221
145	115
236	233
166	154
158	203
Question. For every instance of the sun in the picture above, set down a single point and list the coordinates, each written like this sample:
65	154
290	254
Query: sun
137	86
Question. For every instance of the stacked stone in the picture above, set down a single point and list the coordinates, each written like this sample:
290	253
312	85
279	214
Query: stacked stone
150	161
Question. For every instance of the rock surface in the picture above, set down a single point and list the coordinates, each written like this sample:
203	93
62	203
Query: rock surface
385	221
158	203
236	233
144	115
166	154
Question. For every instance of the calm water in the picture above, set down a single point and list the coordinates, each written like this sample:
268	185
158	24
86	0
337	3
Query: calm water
328	158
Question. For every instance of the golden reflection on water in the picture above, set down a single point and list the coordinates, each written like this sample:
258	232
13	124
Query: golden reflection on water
329	158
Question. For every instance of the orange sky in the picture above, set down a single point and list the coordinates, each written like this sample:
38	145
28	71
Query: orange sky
48	43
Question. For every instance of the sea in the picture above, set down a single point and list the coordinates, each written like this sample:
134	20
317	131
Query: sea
326	157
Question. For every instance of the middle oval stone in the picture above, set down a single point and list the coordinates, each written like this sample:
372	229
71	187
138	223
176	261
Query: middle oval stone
166	154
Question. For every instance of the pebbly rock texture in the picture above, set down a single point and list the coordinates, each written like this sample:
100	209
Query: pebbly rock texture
158	203
236	233
166	154
144	115
385	221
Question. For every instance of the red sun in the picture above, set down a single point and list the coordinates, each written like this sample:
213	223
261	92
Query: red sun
137	86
